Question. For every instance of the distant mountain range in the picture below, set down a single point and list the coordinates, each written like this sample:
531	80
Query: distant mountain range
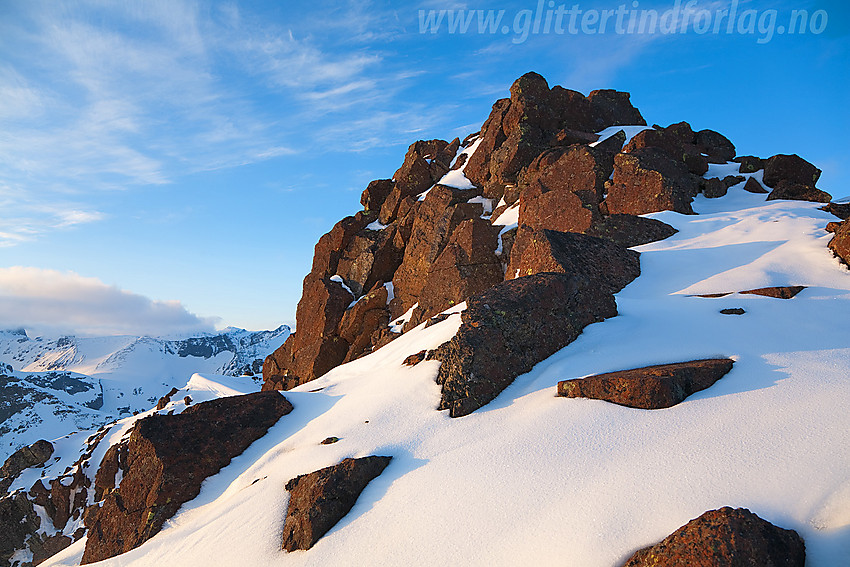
50	386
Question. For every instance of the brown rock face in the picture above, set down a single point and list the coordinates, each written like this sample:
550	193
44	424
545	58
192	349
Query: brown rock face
520	128
563	188
677	141
508	329
467	265
34	455
322	498
362	320
727	537
375	194
840	243
442	210
18	520
602	263
793	168
168	456
793	191
424	164
651	387
647	180
841	210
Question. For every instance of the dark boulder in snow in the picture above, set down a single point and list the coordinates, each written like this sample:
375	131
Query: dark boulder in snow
651	387
749	164
676	140
715	187
511	327
167	459
840	243
793	168
779	292
320	499
715	145
18	521
647	180
600	262
631	230
791	190
728	537
34	455
754	186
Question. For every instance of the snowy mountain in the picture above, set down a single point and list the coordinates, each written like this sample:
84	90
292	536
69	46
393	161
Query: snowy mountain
50	386
588	342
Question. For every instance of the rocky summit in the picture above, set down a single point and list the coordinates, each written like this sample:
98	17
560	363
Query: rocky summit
448	336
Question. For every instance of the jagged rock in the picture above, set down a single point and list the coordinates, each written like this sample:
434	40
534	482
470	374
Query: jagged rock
791	190
727	537
508	329
568	137
840	243
715	145
370	257
442	210
34	455
676	140
168	457
330	246
647	180
779	292
424	164
563	188
362	320
631	230
841	210
318	500
376	193
415	358
715	187
749	164
602	263
18	521
754	186
651	387
163	401
793	168
45	547
467	265
520	128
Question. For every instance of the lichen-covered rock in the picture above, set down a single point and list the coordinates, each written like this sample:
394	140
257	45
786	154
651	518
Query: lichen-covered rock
790	167
650	387
508	329
320	499
749	164
726	537
647	180
631	230
168	457
600	262
715	145
791	190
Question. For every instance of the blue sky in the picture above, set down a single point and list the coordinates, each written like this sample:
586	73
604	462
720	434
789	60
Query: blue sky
186	155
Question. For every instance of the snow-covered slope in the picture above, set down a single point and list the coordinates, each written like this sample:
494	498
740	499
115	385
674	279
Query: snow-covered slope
55	385
533	479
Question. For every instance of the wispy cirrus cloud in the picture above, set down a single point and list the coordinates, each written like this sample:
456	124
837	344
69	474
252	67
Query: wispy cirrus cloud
51	301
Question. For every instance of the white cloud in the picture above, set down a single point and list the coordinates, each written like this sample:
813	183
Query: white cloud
50	301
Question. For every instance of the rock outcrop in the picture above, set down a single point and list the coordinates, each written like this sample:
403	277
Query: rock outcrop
320	499
792	177
728	537
34	455
165	460
840	243
650	387
648	180
511	327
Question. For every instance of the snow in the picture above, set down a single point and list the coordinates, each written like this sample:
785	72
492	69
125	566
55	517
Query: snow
630	131
541	480
455	177
376	226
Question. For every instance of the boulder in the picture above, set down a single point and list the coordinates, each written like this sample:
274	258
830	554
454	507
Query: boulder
651	387
728	537
754	186
631	230
602	263
715	145
168	457
647	180
34	455
320	499
749	164
467	265
793	168
841	210
676	140
779	292
840	243
508	329
424	164
791	190
614	108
